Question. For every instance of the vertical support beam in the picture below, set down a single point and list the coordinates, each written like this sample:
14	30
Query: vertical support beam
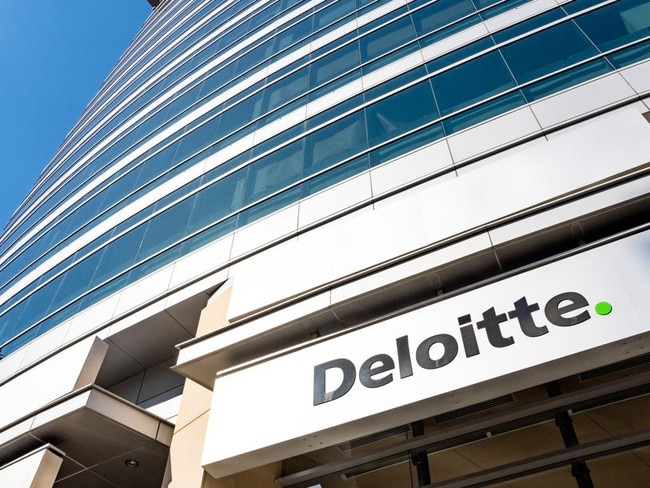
184	468
579	469
420	459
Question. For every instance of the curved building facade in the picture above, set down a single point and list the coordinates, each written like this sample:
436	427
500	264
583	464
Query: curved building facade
380	243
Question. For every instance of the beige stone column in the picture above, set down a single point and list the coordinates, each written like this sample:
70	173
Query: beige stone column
189	435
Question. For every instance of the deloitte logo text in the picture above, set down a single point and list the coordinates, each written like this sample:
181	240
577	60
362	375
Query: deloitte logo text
563	310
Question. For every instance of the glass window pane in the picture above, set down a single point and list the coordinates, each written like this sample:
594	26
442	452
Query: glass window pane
401	112
334	64
502	7
386	38
335	142
81	215
39	302
630	55
269	206
218	200
156	164
326	116
241	114
118	255
333	12
121	187
547	51
393	56
252	58
440	14
449	31
277	140
617	23
333	85
528	25
134	219
382	19
165	228
566	79
177	194
485	3
57	318
197	139
76	281
361	3
268	13
460	54
335	175
483	112
20	341
10	323
578	5
220	76
104	291
394	83
208	235
293	34
274	171
471	82
406	144
153	264
286	89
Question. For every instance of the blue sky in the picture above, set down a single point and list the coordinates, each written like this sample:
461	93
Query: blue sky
54	55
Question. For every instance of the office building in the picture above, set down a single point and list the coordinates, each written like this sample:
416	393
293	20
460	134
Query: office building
344	243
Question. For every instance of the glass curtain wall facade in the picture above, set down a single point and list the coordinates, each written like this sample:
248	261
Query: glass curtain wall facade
201	128
260	180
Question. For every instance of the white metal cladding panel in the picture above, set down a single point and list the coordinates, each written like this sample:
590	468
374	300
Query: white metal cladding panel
576	102
500	131
410	168
480	193
47	381
638	76
39	468
335	199
291	413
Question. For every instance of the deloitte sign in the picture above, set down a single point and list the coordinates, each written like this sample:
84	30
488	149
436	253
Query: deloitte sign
563	310
542	324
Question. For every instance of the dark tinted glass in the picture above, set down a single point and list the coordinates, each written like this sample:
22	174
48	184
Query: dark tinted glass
617	24
401	112
547	51
471	82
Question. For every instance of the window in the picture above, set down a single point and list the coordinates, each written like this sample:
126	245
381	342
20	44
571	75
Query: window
274	171
440	14
617	24
547	51
386	38
401	112
471	82
335	142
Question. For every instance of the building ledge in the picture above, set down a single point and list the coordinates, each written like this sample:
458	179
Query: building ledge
456	266
99	433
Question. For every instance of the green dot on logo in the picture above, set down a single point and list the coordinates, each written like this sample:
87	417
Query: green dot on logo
603	308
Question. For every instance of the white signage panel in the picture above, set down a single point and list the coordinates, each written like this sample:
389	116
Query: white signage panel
568	316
